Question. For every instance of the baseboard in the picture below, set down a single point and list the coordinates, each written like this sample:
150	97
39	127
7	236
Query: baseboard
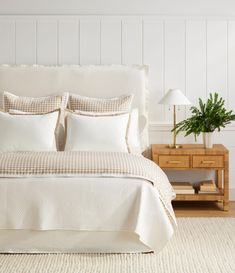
232	194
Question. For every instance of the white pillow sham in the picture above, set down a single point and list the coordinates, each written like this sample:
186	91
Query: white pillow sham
59	131
107	133
28	132
133	136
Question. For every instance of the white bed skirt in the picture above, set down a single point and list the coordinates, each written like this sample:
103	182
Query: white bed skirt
81	215
54	241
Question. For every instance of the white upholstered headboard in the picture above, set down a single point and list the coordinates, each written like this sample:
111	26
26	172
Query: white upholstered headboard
91	80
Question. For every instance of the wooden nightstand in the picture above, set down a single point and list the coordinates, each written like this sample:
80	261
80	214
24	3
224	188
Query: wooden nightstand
195	157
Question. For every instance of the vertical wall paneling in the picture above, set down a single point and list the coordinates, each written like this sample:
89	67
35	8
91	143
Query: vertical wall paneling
153	49
175	61
90	40
7	41
26	41
217	57
196	55
111	40
47	41
68	41
231	64
132	41
231	94
195	61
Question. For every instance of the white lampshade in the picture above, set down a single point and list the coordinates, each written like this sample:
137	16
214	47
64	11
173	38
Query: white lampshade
174	97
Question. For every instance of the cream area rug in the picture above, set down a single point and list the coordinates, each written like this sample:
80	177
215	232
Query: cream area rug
200	245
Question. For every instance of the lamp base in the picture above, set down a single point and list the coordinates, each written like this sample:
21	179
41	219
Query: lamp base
174	146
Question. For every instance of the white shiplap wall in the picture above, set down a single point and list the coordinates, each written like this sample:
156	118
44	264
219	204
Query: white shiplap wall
194	54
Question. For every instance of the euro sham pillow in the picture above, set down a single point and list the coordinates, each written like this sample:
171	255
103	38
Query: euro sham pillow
28	132
117	104
99	133
133	137
133	134
39	105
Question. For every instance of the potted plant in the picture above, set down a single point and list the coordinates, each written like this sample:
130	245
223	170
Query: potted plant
208	117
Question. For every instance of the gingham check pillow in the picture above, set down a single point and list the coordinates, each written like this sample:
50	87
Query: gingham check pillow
82	103
38	105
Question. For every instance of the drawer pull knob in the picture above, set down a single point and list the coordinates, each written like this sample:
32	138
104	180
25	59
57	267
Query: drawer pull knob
208	161
174	161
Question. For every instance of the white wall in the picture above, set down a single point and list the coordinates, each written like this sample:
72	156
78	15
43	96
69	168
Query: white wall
193	53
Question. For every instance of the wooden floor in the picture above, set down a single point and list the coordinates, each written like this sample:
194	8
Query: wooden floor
202	209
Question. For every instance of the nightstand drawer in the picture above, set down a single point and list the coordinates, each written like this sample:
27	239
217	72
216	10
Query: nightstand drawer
208	161
170	161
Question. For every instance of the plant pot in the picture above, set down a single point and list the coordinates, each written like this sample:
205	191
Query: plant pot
207	140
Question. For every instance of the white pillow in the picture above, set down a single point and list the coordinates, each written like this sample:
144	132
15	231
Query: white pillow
59	131
28	132
133	138
97	133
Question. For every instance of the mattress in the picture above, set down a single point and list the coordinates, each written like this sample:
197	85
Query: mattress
87	214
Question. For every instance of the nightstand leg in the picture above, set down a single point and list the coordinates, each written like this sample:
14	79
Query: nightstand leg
225	205
219	179
226	183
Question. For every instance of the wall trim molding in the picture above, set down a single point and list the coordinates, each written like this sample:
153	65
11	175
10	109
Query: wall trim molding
157	16
166	127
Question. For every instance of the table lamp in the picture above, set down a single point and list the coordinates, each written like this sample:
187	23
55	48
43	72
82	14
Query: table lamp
174	97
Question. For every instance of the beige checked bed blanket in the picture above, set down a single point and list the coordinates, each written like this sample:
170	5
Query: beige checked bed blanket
70	164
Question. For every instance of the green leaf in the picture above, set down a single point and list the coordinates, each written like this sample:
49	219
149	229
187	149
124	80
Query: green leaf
208	117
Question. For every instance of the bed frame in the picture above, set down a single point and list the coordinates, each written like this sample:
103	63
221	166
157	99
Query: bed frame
94	81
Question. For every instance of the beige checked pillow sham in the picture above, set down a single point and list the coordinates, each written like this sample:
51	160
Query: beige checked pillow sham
38	105
82	103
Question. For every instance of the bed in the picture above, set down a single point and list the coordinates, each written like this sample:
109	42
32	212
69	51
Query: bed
98	212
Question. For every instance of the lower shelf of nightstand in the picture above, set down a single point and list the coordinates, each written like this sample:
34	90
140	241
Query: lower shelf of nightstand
201	197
